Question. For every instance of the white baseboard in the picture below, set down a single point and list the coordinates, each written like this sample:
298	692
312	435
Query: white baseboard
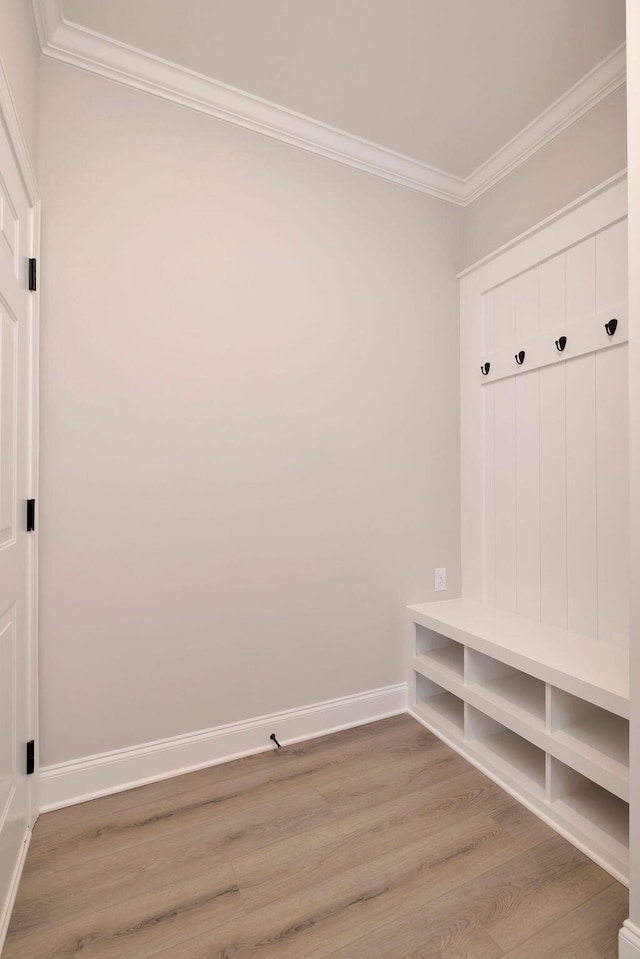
82	779
629	941
6	907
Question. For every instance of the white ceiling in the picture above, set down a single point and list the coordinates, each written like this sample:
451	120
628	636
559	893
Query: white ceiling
445	82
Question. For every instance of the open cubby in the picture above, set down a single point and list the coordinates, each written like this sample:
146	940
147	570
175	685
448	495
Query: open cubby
516	691
512	754
437	705
591	810
433	649
589	729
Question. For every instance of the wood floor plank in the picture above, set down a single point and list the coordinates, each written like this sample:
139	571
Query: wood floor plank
521	822
349	791
214	813
313	769
519	898
42	856
328	916
119	828
279	870
155	864
440	931
346	746
139	926
43	902
589	932
105	806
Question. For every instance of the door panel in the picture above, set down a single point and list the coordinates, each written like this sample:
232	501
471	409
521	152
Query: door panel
8	377
16	486
7	705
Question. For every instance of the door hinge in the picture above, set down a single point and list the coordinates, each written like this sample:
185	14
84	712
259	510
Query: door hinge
33	274
31	757
31	515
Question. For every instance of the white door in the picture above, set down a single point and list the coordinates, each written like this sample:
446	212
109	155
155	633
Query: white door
17	318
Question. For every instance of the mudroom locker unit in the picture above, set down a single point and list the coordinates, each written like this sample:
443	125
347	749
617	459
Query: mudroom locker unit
527	674
272	406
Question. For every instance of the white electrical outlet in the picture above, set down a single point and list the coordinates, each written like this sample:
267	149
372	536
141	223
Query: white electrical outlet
440	582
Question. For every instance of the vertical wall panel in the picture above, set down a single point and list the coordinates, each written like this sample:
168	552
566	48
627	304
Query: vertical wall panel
553	468
505	455
471	445
582	543
612	435
527	453
611	267
489	491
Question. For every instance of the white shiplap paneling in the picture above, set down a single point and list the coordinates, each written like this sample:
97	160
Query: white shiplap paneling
504	465
582	540
527	398
612	433
489	486
553	466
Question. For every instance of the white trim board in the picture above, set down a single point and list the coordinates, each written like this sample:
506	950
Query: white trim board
587	335
5	917
78	46
629	941
585	216
603	187
82	779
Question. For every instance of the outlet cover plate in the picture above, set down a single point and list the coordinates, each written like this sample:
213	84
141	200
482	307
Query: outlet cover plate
440	579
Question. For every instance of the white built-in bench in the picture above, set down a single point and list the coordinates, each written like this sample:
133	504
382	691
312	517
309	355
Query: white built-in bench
542	711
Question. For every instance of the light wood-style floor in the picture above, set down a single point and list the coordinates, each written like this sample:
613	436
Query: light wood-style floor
373	843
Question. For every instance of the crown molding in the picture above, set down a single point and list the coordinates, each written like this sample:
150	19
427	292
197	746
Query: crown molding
578	100
80	47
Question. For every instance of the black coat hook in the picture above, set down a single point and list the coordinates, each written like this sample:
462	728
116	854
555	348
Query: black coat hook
520	358
484	369
611	327
561	343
